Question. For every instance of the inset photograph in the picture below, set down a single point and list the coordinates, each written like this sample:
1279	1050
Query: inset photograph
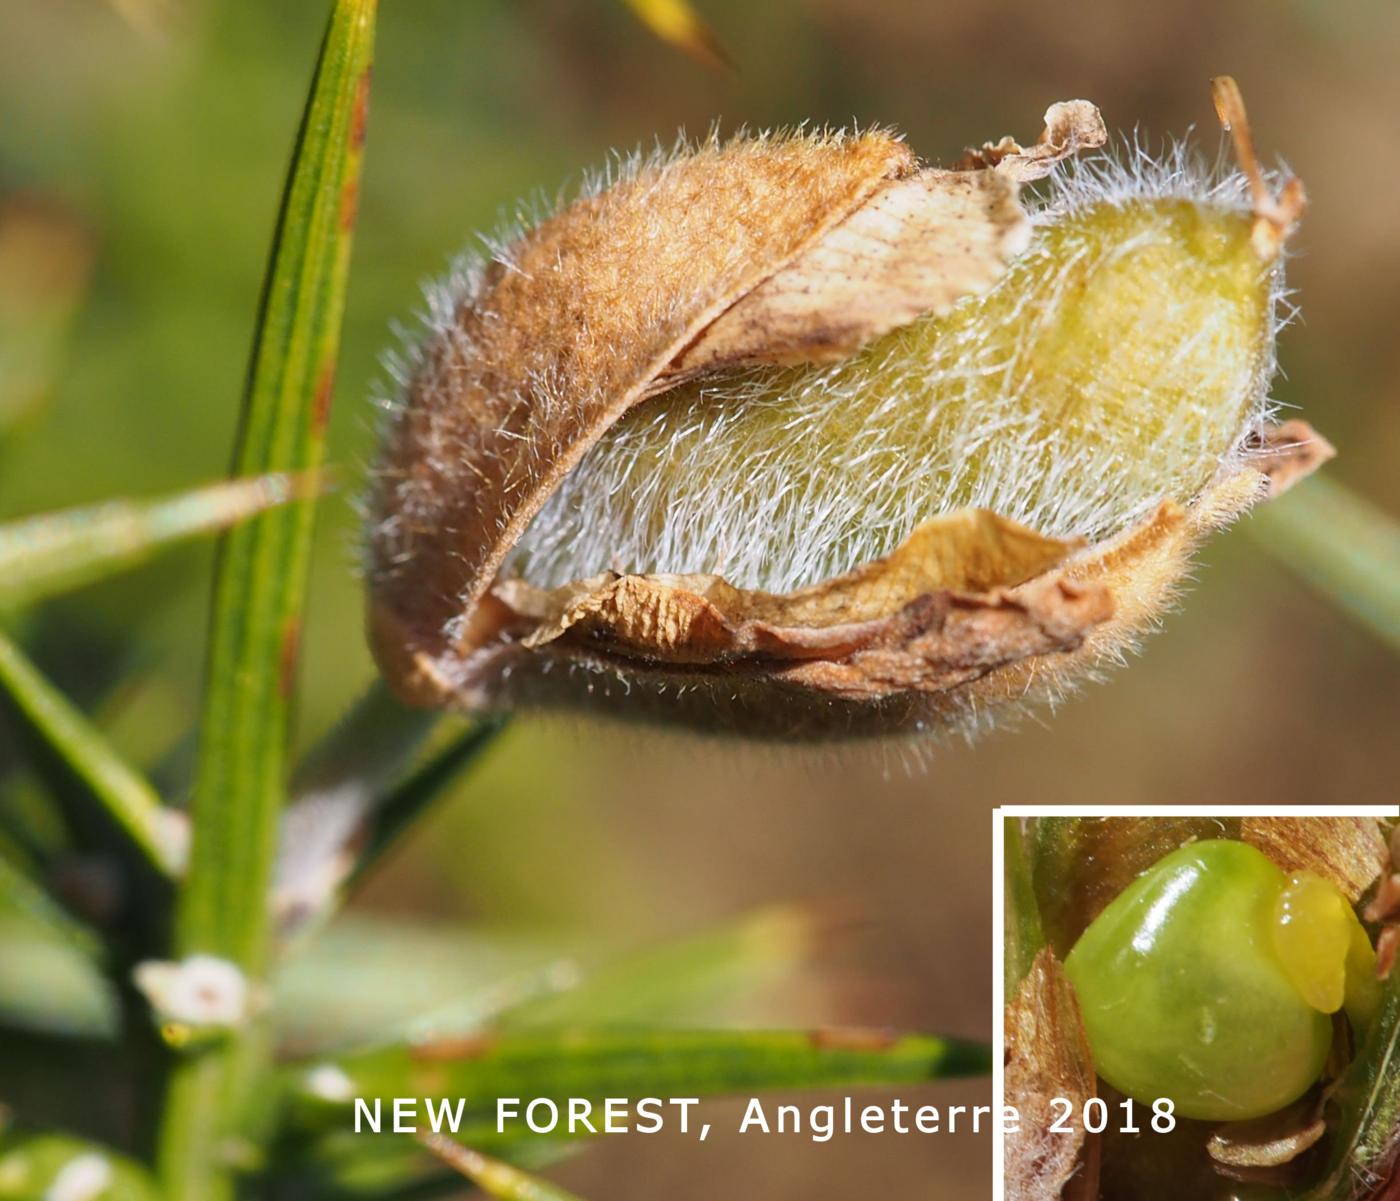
1199	1005
535	535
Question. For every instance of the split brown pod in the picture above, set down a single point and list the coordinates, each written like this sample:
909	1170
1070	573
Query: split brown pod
727	286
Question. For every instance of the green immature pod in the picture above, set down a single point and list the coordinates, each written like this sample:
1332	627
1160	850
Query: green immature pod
1117	364
1211	979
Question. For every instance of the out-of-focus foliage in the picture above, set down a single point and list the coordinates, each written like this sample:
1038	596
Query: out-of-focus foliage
162	144
1346	548
69	745
678	22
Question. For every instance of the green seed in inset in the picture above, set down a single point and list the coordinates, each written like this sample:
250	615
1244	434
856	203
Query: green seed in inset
1188	991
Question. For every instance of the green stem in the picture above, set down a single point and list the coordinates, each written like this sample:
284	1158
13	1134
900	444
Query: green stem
501	1180
1342	545
400	807
365	809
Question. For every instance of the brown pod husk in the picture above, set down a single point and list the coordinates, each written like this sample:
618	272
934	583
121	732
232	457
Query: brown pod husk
758	251
598	306
1349	851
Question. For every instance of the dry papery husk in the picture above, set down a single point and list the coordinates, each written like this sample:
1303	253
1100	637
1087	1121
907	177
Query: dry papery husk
1048	1057
757	251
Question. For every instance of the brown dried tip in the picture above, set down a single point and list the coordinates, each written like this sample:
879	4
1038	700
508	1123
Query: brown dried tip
1070	126
1267	1142
1289	452
1275	216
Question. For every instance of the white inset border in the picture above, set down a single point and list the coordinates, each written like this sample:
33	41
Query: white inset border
999	815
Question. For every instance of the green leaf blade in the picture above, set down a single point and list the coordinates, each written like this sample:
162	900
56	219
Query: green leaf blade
599	1063
115	790
699	978
52	553
1367	1137
241	776
500	1180
241	780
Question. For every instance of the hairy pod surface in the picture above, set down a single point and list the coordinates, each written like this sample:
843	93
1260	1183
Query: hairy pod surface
795	437
1112	367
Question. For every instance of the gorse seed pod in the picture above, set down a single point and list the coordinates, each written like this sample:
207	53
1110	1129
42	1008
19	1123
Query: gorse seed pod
856	446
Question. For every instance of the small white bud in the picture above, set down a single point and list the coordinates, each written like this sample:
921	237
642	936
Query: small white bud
328	1083
201	991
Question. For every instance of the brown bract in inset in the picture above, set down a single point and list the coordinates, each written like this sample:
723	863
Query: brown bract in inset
1261	1145
1384	908
1348	851
1048	1059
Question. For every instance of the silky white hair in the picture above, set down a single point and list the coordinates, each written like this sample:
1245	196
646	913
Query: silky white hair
777	478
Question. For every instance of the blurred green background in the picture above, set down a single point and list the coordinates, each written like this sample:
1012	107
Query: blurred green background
153	136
